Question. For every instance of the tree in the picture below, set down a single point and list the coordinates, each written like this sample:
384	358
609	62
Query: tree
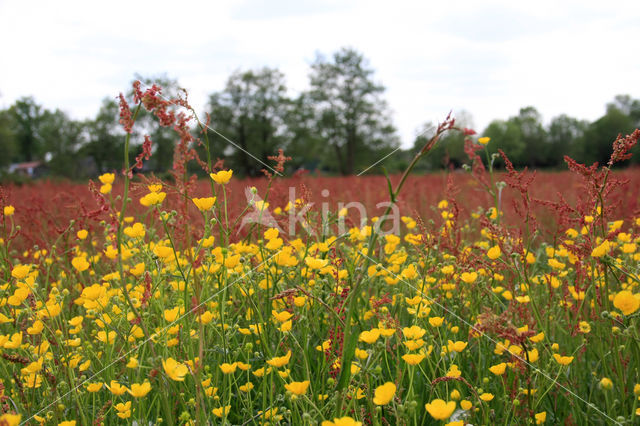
449	150
8	148
61	139
507	136
565	137
350	115
26	115
599	136
105	138
251	112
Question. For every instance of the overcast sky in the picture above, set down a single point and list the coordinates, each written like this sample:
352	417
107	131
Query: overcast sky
489	58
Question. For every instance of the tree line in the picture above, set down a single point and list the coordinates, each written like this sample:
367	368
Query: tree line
340	125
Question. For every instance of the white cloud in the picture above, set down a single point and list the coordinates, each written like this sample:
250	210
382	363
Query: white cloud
489	58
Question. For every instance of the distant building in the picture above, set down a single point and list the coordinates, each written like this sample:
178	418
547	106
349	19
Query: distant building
31	169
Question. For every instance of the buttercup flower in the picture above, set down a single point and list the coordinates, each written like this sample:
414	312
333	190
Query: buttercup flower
440	409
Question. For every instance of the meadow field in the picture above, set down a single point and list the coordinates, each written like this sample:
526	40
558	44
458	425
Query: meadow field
468	297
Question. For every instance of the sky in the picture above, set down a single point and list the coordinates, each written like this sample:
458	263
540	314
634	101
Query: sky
488	58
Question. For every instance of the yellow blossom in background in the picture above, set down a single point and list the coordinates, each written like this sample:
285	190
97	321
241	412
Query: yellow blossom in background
204	204
563	360
486	397
341	421
584	327
440	409
107	178
494	252
20	271
484	140
123	410
413	359
155	187
606	383
174	369
116	388
228	368
221	411
541	417
626	302
80	263
280	361
498	369
384	393
469	277
222	177
139	390
369	336
297	388
82	234
10	419
153	198
8	210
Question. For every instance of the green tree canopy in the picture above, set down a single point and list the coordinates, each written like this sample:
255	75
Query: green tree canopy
250	112
350	115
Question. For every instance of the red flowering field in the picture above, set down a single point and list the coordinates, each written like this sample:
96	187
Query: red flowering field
472	297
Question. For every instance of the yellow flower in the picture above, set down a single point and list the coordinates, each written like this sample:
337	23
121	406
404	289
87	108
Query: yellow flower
106	337
384	393
80	263
281	316
153	198
221	411
469	277
140	390
137	230
494	252
342	421
65	423
222	177
314	263
369	336
124	410
94	387
584	327
174	369
602	249
413	359
280	361
465	404
414	332
563	360
498	369
297	388
172	314
246	387
116	388
440	409
20	271
486	397
82	234
626	302
10	419
204	204
228	368
484	140
8	210
156	187
457	346
107	178
541	417
606	383
105	189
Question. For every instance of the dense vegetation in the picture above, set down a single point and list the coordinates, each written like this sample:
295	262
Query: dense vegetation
340	125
